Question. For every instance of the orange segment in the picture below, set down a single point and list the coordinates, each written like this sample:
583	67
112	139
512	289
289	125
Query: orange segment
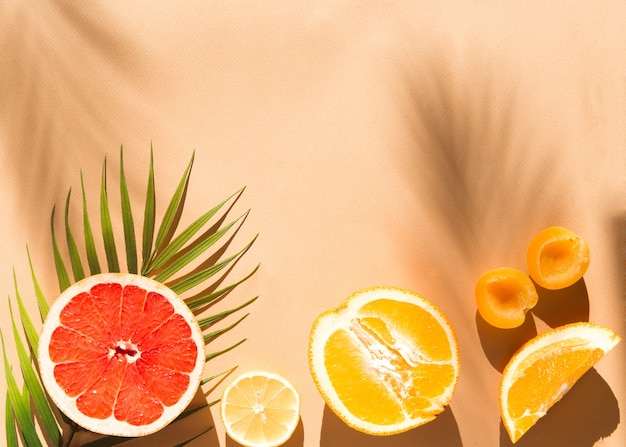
260	409
557	258
121	354
388	346
545	368
504	296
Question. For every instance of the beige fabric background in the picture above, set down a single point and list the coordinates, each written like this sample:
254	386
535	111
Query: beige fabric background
405	143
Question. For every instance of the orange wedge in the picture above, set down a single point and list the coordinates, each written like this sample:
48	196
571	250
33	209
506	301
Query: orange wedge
260	409
545	368
385	361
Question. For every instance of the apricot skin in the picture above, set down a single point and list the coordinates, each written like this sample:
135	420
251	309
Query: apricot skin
504	295
557	258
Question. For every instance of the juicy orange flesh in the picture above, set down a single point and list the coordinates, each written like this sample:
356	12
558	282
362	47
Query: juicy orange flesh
544	381
260	409
122	351
391	364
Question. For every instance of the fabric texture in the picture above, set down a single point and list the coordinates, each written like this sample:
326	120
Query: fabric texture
406	143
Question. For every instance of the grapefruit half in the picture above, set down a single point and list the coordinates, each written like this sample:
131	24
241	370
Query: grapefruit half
121	354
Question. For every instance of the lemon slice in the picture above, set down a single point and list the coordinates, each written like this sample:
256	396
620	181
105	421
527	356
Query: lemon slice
260	409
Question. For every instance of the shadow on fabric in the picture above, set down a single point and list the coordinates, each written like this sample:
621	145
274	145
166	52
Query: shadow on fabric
563	306
443	432
296	440
500	344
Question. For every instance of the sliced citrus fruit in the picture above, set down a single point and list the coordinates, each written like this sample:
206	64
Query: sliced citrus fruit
545	368
557	258
504	295
121	354
385	361
260	409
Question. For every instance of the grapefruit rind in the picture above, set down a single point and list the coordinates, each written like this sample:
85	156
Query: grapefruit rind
289	426
581	335
110	425
338	319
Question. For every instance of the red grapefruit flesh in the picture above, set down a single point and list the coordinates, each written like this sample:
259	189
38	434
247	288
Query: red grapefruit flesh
121	354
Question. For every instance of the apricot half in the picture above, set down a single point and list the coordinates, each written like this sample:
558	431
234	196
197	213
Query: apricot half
504	295
557	258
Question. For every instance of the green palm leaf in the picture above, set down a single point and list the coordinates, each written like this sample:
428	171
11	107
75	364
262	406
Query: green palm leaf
106	225
20	407
77	267
90	243
186	235
62	276
33	385
148	218
9	423
174	209
180	257
41	299
127	219
32	336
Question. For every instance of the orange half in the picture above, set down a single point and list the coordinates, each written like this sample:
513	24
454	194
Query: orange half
385	361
